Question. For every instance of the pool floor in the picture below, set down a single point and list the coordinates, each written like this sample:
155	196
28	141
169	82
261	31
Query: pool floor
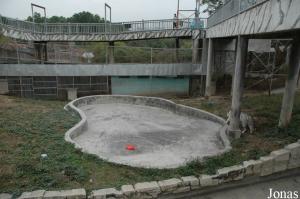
161	138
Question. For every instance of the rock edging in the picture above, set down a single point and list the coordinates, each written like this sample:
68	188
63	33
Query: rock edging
277	161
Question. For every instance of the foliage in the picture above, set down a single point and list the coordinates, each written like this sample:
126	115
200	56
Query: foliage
81	17
3	39
212	5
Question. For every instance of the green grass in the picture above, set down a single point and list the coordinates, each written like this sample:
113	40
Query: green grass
29	128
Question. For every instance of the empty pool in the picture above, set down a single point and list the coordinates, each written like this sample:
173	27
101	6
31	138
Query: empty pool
146	132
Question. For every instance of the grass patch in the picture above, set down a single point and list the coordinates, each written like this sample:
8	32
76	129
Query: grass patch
29	128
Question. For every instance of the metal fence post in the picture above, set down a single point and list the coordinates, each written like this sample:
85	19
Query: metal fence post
151	54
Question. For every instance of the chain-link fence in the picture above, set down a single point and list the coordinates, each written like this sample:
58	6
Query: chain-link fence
72	53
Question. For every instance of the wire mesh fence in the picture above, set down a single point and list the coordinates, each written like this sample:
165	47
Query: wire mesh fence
72	53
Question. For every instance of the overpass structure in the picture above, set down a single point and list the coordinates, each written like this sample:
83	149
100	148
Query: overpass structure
123	31
230	27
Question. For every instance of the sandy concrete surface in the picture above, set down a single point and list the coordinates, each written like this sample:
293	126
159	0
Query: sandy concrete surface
256	190
162	138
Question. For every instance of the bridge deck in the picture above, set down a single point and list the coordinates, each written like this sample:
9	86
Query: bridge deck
259	17
146	29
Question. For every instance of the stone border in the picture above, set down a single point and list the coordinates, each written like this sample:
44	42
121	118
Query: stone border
276	162
179	109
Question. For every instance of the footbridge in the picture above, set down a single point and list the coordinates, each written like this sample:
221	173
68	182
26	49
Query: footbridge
123	31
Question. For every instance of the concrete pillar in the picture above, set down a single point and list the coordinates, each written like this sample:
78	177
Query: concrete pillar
204	54
238	86
209	68
290	84
195	56
177	45
38	52
41	51
110	53
45	52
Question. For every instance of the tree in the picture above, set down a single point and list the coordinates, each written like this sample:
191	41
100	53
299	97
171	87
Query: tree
213	5
81	17
85	17
37	18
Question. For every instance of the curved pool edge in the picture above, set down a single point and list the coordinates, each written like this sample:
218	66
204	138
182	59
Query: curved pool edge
81	126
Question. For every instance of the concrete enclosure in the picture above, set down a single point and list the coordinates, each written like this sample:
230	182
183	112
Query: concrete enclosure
164	134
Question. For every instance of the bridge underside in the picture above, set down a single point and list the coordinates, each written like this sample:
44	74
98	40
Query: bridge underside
126	36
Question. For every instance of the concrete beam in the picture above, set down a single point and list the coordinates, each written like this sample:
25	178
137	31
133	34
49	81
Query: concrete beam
238	86
209	68
270	16
99	69
291	84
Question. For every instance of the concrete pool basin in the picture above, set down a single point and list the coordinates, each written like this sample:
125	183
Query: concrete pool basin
163	134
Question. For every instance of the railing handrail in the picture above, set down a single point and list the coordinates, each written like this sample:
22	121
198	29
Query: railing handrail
157	24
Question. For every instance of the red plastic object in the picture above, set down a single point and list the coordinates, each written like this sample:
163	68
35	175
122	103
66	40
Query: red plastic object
130	147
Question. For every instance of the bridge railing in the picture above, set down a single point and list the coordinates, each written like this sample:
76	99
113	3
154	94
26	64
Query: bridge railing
230	9
102	28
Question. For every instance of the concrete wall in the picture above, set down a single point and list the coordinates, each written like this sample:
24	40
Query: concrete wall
270	16
100	69
150	85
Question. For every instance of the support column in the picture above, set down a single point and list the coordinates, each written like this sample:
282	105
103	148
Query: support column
110	53
177	46
204	54
38	52
45	52
195	57
209	68
41	51
238	86
290	84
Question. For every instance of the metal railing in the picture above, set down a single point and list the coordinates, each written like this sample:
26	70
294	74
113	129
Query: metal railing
101	28
231	8
26	53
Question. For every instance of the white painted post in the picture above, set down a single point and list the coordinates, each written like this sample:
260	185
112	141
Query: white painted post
209	68
291	84
238	86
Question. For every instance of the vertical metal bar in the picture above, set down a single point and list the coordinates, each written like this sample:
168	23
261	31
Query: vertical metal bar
21	89
105	18
151	54
56	86
18	55
107	85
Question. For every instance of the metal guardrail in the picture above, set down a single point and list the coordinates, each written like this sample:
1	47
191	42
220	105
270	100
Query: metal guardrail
101	28
231	8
